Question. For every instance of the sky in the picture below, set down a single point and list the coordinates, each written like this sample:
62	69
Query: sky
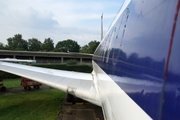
78	20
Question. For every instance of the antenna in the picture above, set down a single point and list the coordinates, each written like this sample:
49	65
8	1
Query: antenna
102	26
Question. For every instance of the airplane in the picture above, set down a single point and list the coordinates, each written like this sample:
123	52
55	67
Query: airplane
136	69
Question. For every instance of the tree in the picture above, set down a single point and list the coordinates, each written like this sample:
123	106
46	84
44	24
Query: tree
34	44
17	43
85	49
1	46
90	48
67	46
48	45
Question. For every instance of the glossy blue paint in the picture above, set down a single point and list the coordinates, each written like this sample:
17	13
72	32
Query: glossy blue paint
136	48
171	106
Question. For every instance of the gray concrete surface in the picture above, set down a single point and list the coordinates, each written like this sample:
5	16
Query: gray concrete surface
80	111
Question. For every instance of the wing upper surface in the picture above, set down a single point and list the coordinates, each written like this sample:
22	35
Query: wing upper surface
75	83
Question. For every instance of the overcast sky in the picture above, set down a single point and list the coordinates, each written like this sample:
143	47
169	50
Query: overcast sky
78	20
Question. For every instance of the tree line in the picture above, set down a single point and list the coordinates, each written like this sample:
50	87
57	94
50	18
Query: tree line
17	43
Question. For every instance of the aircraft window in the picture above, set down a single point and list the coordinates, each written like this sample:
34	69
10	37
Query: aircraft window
121	24
110	44
105	48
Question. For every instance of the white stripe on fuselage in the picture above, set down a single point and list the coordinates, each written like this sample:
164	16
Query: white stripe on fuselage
116	104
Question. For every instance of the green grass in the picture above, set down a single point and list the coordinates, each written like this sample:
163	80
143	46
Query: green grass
41	105
12	83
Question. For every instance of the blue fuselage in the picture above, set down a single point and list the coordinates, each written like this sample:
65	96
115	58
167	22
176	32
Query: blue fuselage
142	47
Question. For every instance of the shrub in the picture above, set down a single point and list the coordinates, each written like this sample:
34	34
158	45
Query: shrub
71	62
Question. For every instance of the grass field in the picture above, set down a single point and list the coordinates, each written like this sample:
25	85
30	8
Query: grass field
40	105
12	83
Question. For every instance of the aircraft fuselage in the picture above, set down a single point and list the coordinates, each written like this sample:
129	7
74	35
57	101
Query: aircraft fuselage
137	62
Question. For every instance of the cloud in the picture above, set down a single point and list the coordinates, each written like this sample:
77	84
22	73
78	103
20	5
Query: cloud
71	19
28	18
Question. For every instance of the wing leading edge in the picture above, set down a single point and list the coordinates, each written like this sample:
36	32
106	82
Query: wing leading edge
79	84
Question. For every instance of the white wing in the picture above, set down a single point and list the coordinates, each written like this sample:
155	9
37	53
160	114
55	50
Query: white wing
17	60
79	84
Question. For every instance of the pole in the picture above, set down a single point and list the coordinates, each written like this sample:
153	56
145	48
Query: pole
102	26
